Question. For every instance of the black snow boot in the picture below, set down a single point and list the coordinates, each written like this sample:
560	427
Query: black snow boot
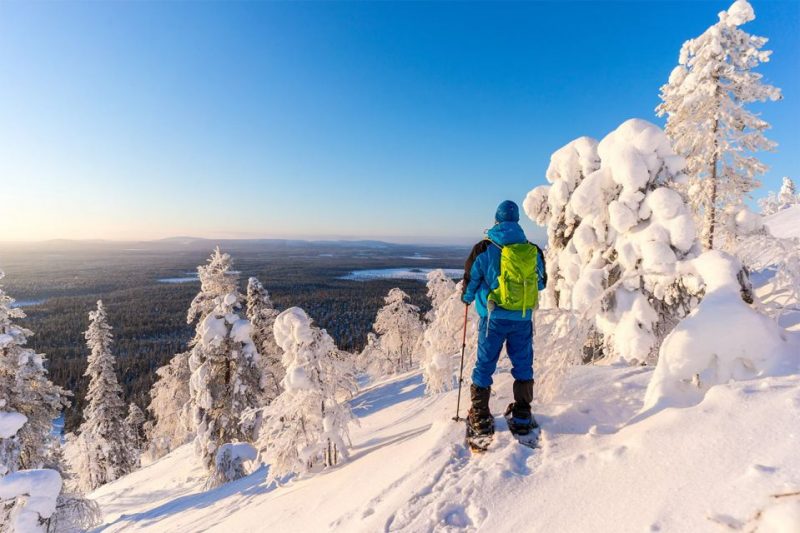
520	419
480	419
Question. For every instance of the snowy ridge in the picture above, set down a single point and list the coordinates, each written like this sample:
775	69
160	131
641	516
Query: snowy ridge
694	469
785	224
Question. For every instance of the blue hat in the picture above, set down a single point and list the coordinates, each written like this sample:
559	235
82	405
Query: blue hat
507	211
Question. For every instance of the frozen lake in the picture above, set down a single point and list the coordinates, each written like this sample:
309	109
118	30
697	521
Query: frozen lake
183	279
418	274
27	303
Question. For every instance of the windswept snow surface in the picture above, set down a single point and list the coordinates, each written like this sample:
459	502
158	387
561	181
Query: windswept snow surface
785	223
707	467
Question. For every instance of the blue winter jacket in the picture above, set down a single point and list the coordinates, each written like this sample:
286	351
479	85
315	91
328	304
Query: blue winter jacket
483	268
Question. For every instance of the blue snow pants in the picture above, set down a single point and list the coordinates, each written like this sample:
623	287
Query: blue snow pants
518	336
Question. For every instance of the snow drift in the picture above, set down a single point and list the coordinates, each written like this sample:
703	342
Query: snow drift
723	339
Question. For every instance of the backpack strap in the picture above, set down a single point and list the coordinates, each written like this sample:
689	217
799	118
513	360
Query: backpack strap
491	241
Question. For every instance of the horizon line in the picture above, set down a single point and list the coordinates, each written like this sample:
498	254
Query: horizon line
398	240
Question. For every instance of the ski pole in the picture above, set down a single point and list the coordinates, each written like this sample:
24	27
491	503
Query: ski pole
461	371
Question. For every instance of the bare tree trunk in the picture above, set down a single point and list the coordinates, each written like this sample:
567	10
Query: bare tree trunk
711	209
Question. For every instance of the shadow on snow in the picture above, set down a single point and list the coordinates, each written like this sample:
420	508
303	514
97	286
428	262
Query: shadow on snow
252	485
388	394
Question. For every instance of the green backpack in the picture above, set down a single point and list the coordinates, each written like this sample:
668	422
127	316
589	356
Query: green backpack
518	288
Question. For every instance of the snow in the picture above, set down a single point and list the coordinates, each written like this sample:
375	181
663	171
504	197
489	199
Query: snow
10	423
599	467
237	450
293	327
785	224
739	13
783	517
722	339
39	490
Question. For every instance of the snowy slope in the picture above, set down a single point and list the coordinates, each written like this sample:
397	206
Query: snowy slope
709	467
785	223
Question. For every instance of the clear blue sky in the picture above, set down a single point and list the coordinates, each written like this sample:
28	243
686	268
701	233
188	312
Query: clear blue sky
403	121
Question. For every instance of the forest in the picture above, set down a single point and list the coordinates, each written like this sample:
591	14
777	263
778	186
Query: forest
58	283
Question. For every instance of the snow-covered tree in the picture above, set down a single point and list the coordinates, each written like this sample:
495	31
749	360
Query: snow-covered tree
399	328
618	267
27	497
100	452
225	379
549	206
759	250
788	193
169	427
306	426
217	280
173	421
134	430
25	389
786	197
707	120
440	288
262	315
372	358
441	340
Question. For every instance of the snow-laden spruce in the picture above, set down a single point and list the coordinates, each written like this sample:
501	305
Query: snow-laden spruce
26	390
134	432
549	206
398	327
629	230
306	427
173	420
704	101
225	377
169	427
100	451
786	197
723	339
441	340
262	314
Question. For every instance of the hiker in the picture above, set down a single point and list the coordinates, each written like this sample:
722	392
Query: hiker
506	316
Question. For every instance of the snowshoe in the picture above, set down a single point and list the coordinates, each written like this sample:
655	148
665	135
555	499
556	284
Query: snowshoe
480	431
523	426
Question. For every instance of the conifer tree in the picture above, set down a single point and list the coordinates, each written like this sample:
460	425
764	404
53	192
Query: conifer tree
25	388
707	120
100	452
441	340
173	422
262	315
169	427
225	377
549	206
788	194
618	268
306	426
400	328
134	429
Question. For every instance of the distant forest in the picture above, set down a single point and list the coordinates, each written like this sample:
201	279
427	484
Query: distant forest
58	283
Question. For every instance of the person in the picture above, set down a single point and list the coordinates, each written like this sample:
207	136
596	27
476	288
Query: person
499	325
